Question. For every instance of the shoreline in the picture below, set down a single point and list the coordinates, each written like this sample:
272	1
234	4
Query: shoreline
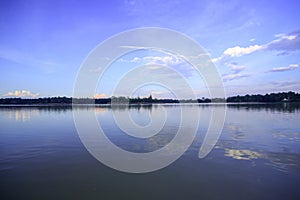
144	104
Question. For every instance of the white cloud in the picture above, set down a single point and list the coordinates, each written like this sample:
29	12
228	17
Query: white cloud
252	39
136	59
283	69
238	51
215	60
21	93
100	96
290	37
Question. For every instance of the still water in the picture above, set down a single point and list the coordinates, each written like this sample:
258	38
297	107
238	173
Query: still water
257	155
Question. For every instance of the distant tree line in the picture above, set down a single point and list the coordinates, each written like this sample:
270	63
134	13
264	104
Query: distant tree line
47	100
273	97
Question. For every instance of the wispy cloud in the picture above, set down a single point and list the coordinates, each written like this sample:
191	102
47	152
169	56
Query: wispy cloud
235	68
134	60
165	72
230	77
286	84
164	60
27	59
155	63
133	47
235	72
283	69
21	93
284	42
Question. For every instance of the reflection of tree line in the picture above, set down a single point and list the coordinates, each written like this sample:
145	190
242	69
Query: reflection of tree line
272	107
273	97
38	108
279	107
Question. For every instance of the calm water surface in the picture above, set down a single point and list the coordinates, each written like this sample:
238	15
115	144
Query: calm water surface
256	157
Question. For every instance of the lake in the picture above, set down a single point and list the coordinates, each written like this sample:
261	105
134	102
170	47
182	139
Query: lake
257	155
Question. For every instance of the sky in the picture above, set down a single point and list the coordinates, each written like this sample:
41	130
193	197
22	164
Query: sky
254	44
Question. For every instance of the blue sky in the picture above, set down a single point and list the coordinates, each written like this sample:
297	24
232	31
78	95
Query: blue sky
254	44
